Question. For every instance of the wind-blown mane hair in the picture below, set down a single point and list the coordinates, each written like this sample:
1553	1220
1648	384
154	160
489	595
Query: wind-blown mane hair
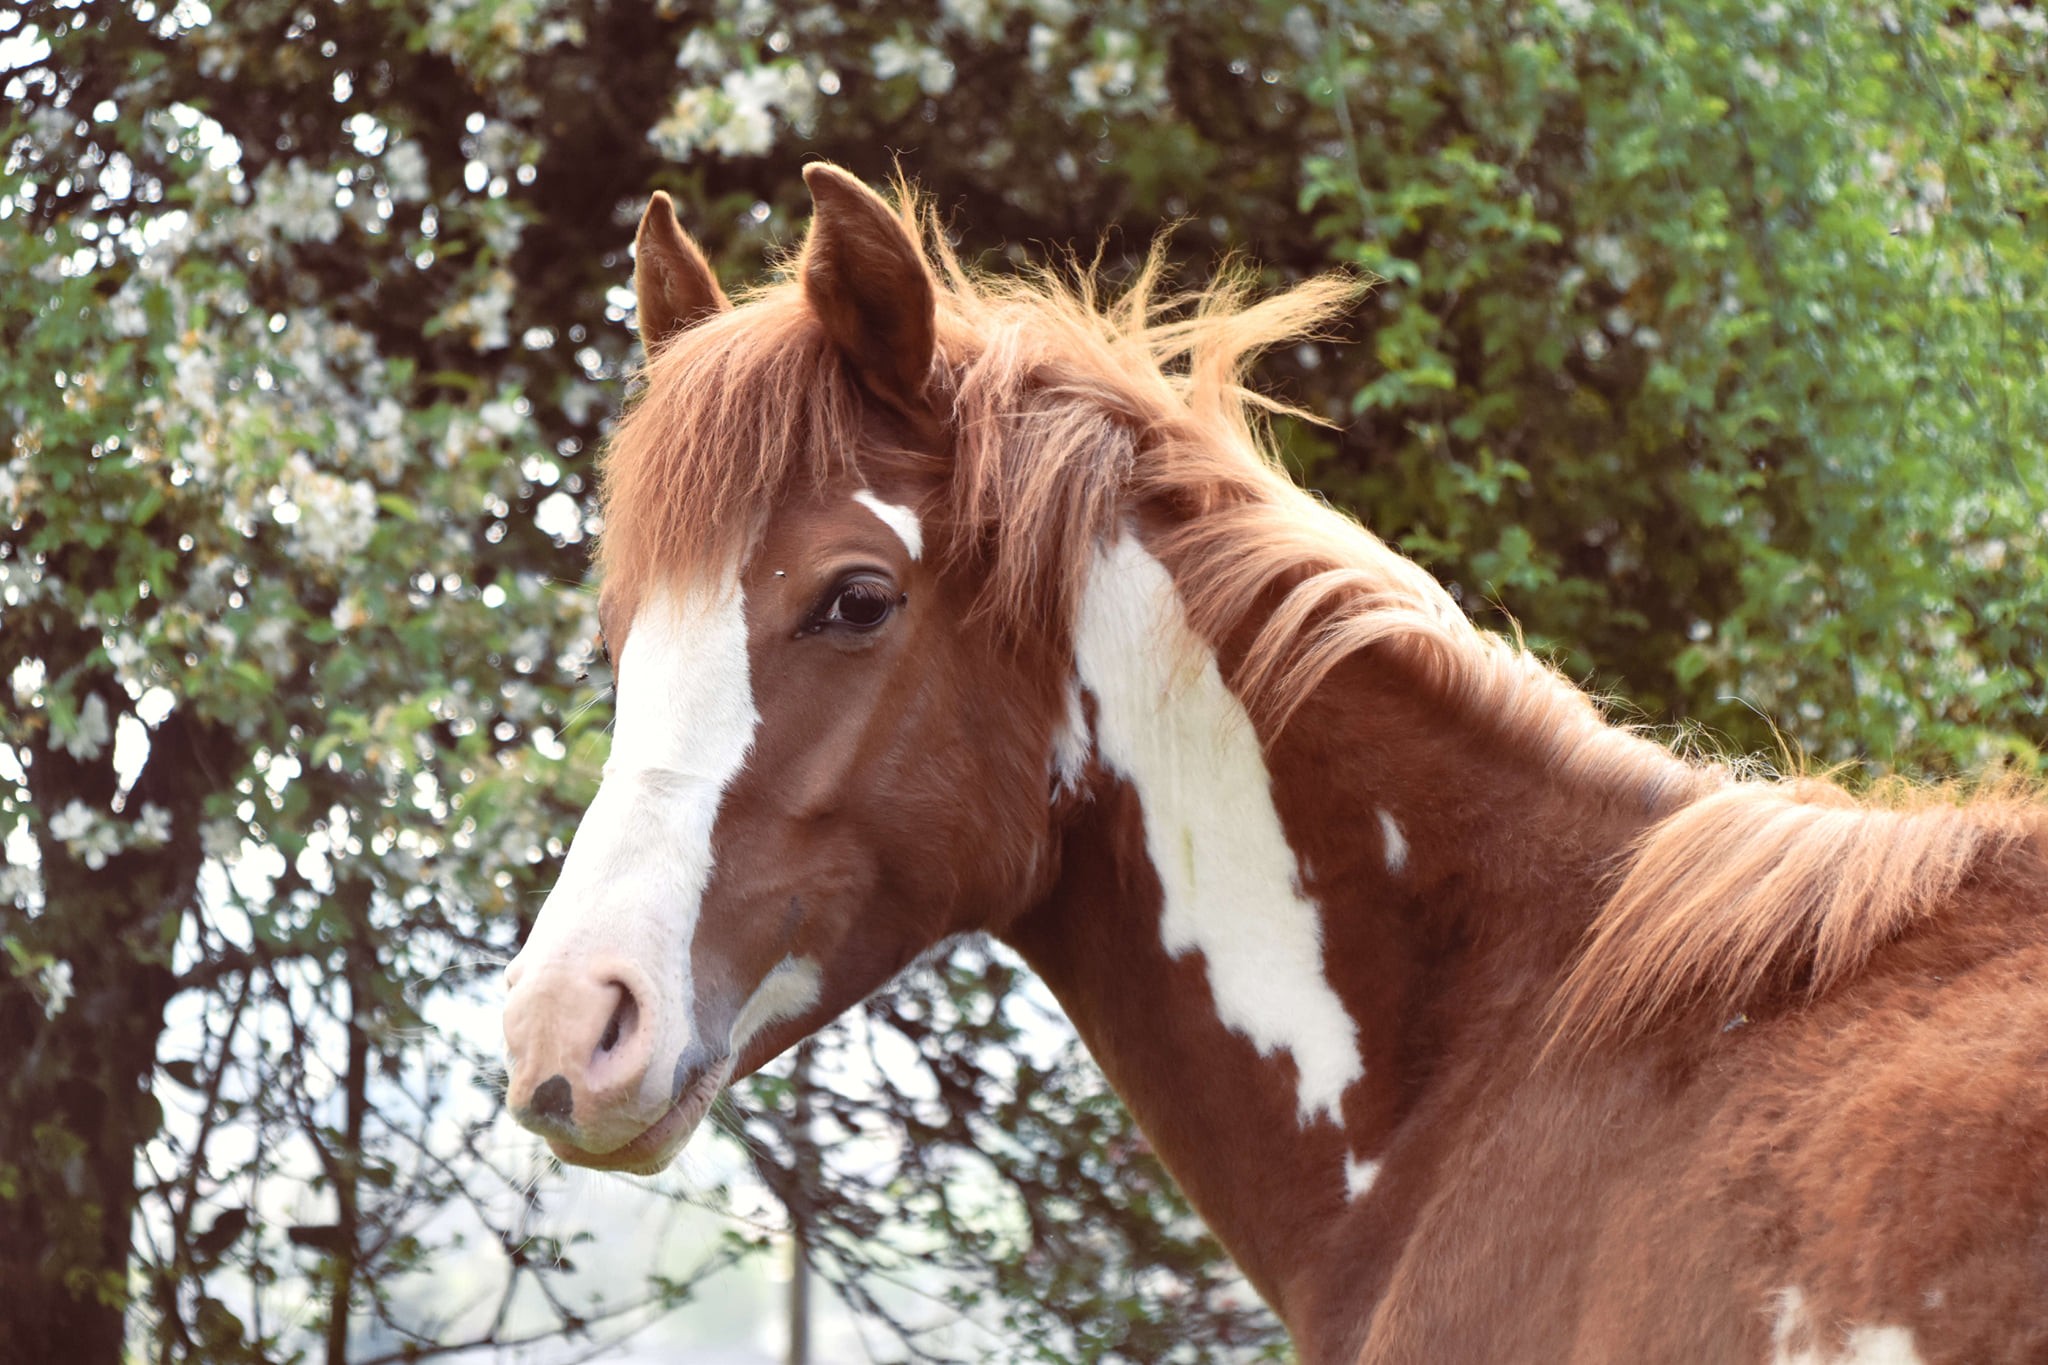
1070	408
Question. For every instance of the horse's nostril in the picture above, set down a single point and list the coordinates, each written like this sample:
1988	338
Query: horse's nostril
624	1014
553	1099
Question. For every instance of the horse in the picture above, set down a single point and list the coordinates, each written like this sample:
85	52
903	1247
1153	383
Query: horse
1476	1026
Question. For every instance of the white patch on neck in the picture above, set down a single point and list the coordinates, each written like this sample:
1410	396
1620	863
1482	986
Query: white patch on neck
1795	1340
634	880
1397	844
1359	1176
1071	744
789	989
1168	724
897	518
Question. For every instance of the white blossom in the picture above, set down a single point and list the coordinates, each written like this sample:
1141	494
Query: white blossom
738	116
72	822
1615	256
85	835
87	738
405	170
385	420
972	16
1112	75
336	515
195	384
126	654
55	981
220	839
486	314
153	825
296	203
26	681
578	399
893	57
700	52
499	416
18	884
1040	45
99	844
689	124
219	60
125	316
500	146
383	450
749	127
24	583
271	642
348	613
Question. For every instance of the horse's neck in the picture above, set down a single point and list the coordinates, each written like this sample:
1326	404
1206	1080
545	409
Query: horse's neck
1271	949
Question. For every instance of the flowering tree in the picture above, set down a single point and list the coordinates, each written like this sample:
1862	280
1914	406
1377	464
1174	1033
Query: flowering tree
1708	342
287	660
305	361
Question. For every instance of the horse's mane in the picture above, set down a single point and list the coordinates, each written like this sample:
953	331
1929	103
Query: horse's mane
1070	407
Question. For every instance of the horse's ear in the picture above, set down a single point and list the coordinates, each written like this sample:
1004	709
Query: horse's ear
674	282
866	279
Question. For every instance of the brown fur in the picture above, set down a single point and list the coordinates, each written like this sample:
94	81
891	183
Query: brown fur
1646	1042
1773	883
1069	409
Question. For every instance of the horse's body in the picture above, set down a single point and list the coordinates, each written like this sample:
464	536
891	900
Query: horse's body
1476	1028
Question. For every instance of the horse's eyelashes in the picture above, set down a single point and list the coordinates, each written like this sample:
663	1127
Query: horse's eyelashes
861	602
864	604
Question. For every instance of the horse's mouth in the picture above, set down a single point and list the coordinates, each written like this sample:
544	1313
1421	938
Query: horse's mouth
659	1142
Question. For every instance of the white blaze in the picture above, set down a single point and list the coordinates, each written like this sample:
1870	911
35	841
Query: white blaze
897	518
634	880
1168	724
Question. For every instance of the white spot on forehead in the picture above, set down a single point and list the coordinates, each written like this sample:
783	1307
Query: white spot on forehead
1797	1340
1168	724
897	518
634	880
1397	844
1359	1176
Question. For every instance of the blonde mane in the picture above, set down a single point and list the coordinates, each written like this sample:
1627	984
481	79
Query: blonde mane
1069	409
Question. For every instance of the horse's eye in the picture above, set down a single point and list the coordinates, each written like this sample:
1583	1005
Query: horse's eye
860	603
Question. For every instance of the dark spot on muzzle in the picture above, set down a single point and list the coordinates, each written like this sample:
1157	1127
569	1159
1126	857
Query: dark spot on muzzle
553	1101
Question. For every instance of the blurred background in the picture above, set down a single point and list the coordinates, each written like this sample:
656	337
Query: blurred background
1709	346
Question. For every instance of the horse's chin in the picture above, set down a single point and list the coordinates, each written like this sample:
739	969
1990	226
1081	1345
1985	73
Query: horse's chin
658	1143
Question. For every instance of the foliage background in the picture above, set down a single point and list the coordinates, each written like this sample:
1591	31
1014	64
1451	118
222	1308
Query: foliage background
1711	346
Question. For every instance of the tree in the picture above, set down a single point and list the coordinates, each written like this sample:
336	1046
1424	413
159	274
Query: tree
1708	345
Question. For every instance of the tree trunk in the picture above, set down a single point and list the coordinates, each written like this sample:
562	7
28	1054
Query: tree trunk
806	1173
361	961
76	1075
